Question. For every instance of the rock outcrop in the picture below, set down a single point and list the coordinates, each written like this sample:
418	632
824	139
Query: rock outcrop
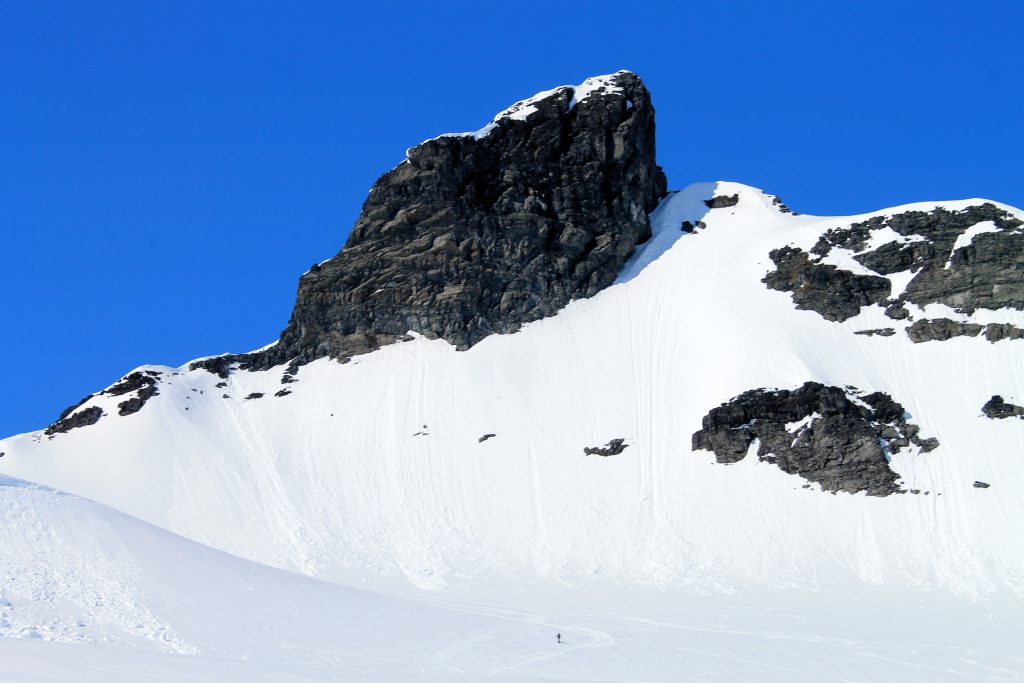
722	201
941	329
832	293
74	420
142	383
476	234
998	409
967	260
838	438
613	447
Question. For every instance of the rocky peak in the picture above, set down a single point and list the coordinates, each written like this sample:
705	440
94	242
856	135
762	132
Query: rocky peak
477	233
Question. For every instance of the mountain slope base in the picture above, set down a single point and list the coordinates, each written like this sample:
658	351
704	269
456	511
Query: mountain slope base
220	618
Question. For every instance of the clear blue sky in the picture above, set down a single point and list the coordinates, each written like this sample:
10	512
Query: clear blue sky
168	169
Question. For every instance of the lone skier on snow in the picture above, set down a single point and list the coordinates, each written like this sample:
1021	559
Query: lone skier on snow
559	638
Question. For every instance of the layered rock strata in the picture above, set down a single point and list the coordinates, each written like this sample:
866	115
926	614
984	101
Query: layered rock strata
478	233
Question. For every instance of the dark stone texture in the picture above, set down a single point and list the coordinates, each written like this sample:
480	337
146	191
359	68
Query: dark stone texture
832	293
471	237
72	408
282	392
882	332
778	204
613	447
485	437
897	311
255	394
83	418
981	485
218	365
988	273
135	403
144	383
941	329
998	331
722	201
130	383
998	409
842	442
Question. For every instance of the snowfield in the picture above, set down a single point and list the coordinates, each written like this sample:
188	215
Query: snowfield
655	564
91	594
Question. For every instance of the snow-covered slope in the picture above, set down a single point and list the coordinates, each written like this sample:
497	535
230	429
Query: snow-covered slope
75	572
378	465
92	595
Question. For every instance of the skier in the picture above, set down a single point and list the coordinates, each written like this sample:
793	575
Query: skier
559	638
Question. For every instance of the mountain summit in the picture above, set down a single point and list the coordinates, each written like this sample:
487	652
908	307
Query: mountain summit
478	233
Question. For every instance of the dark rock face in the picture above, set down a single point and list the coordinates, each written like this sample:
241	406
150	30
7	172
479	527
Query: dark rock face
981	485
998	331
135	403
144	384
882	332
941	329
832	293
132	382
778	204
83	418
613	447
218	365
722	201
70	409
986	273
998	409
476	235
836	437
485	437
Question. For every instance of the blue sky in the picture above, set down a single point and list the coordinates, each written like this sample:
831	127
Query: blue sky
168	169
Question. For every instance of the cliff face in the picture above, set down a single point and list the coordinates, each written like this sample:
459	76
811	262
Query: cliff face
478	233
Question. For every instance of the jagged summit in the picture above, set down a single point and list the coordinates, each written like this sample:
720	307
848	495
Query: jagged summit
522	109
476	234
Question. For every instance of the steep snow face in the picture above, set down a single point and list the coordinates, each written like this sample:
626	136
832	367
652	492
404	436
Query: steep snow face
378	464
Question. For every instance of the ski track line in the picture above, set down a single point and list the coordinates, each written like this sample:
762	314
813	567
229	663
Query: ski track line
294	615
597	638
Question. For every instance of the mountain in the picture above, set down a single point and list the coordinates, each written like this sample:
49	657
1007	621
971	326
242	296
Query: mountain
532	365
